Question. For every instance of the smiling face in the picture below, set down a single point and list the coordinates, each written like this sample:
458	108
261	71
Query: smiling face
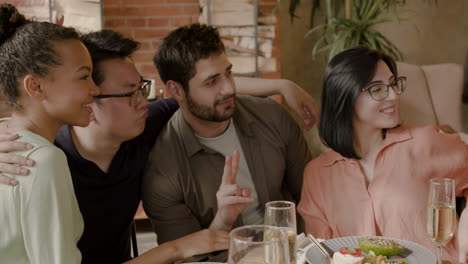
369	113
211	93
115	116
69	87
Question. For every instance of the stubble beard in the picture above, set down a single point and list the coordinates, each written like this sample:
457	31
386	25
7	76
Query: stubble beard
207	113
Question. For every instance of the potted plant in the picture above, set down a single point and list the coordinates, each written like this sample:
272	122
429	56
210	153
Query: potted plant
349	23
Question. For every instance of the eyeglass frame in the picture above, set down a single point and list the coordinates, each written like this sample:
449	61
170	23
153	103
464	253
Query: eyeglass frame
393	84
146	85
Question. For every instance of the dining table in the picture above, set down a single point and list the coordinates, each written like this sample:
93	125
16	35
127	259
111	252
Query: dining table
256	255
222	256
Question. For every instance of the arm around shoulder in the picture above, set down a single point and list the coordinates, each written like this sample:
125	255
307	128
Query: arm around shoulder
297	98
8	161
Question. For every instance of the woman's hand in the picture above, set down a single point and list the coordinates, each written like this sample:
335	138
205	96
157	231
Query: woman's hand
11	163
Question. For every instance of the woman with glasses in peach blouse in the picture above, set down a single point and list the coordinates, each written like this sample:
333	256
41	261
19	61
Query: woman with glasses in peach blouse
375	178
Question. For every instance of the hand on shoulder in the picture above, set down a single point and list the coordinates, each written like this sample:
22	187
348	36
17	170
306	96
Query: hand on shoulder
11	163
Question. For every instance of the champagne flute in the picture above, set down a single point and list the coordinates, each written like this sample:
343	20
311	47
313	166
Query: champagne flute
441	216
257	244
282	214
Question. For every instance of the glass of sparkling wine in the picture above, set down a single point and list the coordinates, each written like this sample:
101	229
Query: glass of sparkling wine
258	244
441	216
282	214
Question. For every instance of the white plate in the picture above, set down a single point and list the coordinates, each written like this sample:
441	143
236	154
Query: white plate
420	255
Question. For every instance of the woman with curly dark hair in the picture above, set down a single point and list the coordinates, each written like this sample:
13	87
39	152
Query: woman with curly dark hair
45	76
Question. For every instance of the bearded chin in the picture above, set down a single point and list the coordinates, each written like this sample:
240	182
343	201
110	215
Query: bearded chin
207	113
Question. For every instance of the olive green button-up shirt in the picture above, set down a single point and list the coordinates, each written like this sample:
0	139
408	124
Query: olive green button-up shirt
182	175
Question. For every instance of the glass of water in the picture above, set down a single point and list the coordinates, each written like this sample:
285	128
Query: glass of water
282	214
257	244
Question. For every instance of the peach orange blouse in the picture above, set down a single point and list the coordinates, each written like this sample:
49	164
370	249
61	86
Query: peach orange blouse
335	201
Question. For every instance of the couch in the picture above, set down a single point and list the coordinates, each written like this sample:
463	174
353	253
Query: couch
433	95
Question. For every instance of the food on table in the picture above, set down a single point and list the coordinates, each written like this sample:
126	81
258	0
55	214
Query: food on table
373	259
348	256
380	246
355	256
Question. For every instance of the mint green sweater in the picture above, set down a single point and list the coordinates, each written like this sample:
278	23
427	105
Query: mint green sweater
40	221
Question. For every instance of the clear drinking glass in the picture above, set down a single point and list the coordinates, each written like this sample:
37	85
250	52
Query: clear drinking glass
441	216
282	214
257	244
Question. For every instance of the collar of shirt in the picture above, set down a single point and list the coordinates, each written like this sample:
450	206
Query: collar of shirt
65	141
242	118
394	135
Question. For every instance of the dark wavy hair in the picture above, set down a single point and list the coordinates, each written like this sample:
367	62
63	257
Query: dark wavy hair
26	47
105	45
346	74
176	57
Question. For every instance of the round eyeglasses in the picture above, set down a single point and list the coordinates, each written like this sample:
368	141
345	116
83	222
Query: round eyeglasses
379	91
135	96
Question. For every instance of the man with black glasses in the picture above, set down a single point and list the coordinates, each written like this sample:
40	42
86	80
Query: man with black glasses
135	95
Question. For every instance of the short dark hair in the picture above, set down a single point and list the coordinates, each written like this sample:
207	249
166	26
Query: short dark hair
346	74
176	57
26	47
105	45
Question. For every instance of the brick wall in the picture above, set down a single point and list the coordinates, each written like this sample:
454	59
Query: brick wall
147	21
266	7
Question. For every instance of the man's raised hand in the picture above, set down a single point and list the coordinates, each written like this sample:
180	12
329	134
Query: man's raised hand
232	199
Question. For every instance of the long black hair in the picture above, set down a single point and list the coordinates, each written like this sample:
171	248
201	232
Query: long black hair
346	74
26	47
